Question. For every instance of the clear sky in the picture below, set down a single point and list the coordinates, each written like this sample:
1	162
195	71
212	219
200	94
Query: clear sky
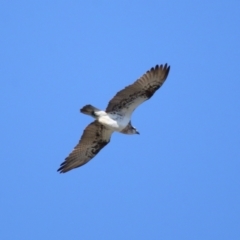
179	179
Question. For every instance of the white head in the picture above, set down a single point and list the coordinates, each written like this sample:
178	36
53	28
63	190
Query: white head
132	130
129	129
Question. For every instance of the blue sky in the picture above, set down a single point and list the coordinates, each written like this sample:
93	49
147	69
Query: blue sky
179	179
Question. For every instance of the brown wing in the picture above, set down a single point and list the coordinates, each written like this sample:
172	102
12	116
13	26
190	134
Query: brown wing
94	138
133	95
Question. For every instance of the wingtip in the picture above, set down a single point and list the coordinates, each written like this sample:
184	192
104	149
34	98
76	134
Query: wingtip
62	169
161	66
165	67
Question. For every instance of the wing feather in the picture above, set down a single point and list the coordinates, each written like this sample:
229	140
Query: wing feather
94	138
126	100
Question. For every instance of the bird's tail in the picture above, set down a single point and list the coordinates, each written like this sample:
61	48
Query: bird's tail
89	110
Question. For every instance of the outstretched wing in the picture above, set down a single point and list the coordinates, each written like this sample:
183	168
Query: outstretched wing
133	95
94	138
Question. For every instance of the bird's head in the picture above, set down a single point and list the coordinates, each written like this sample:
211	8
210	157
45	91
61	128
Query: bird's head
130	129
133	130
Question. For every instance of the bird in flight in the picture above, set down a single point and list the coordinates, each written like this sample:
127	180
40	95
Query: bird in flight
116	118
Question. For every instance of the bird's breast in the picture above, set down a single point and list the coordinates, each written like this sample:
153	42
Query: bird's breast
115	122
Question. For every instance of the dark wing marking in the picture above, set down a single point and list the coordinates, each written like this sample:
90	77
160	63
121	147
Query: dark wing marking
94	138
133	95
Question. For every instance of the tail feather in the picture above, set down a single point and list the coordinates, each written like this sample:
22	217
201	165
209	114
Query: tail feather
89	110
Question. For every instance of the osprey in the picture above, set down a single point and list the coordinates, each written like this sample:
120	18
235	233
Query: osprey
116	118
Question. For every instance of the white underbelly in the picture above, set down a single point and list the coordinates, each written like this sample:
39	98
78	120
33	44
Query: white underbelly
117	124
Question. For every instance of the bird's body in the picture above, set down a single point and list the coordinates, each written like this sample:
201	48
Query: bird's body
115	122
116	118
